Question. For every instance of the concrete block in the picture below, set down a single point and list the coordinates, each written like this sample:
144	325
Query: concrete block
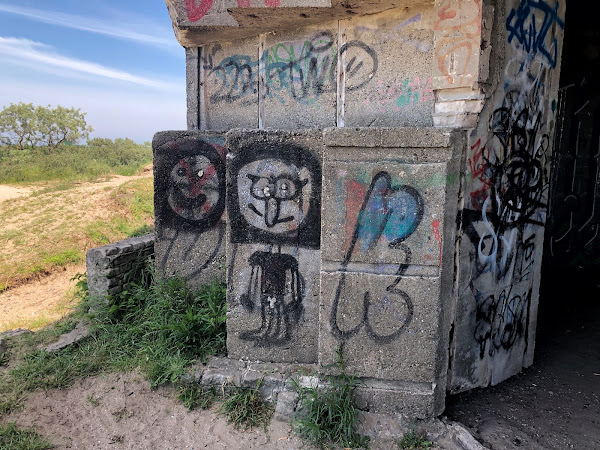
389	325
286	406
80	332
387	59
222	378
300	74
189	201
396	138
225	363
274	210
459	107
459	120
358	230
415	404
449	95
230	84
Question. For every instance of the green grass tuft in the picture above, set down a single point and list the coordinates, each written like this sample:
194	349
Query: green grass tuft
15	438
415	440
194	396
246	409
327	415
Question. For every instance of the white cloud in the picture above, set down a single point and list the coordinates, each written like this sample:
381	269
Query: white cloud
43	57
121	31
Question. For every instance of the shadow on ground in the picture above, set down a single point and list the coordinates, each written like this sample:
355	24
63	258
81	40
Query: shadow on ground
554	404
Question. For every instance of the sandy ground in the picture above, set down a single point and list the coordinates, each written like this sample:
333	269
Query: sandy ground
120	411
45	300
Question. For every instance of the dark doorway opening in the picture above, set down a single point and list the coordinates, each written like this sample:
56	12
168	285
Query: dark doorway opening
555	404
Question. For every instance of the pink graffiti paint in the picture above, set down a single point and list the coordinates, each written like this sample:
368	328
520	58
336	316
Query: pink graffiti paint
435	225
197	11
356	194
244	3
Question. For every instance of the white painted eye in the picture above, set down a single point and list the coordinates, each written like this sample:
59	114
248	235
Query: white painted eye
200	173
284	187
267	191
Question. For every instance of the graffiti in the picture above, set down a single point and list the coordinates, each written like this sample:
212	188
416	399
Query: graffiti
197	9
393	212
192	181
401	94
500	320
303	70
533	26
190	200
458	31
274	199
435	227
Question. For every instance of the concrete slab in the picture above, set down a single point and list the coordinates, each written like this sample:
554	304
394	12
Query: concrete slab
189	199
388	65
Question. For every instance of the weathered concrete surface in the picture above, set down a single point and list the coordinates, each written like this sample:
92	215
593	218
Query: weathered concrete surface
393	52
80	332
300	75
389	195
228	95
274	210
189	203
501	223
199	22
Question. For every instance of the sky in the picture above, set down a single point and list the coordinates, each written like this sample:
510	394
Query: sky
116	60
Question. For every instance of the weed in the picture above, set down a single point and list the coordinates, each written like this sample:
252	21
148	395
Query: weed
328	415
3	359
117	439
158	325
122	413
15	438
415	440
245	408
94	401
195	396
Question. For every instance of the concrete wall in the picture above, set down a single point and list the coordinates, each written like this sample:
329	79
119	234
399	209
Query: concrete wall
189	205
366	71
505	197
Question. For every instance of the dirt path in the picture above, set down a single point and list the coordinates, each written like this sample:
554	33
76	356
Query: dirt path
43	301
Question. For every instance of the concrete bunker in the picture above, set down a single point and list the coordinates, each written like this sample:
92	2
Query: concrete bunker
370	173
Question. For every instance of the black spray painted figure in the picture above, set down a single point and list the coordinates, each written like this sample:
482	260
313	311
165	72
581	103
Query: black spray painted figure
275	200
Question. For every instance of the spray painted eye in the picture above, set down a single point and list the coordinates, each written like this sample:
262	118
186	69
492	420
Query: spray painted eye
267	191
284	187
181	172
200	173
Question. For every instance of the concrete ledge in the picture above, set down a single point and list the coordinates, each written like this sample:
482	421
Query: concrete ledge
413	137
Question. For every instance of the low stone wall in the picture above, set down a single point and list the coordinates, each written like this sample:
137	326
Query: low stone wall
107	266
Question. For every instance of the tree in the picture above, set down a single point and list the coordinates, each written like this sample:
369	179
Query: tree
59	125
23	124
18	125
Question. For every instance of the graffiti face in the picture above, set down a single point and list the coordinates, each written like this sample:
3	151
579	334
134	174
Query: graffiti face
275	194
275	197
194	188
191	182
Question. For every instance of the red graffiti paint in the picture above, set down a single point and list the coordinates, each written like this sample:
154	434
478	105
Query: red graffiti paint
435	225
273	3
356	194
197	11
244	3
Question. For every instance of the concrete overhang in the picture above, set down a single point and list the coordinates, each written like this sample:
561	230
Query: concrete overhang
200	22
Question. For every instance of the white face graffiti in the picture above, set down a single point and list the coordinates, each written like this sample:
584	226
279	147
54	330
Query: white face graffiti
273	195
194	187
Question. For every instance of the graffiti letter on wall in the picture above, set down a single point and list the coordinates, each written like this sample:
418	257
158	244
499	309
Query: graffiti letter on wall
395	212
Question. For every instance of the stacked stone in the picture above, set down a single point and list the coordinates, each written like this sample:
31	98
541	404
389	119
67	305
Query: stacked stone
108	266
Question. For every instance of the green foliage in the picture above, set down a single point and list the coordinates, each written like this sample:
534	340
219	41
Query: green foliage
415	440
100	157
195	396
14	438
158	325
328	415
245	408
23	125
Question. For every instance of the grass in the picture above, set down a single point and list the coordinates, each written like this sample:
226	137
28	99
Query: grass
74	163
43	234
245	408
415	440
328	415
194	396
15	438
158	325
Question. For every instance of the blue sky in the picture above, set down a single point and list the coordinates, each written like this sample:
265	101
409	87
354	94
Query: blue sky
117	60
